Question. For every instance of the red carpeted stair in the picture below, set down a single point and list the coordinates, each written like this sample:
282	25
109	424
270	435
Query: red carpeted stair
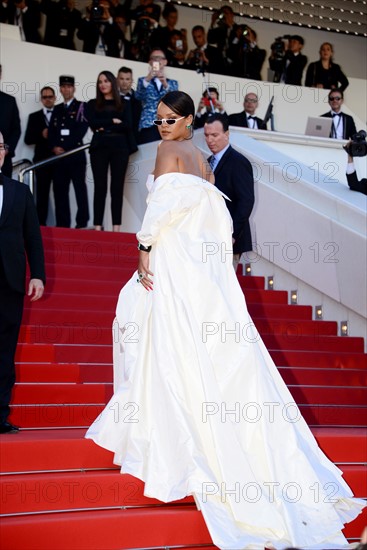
60	491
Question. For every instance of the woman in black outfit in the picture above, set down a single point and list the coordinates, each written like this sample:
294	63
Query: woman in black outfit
325	73
110	147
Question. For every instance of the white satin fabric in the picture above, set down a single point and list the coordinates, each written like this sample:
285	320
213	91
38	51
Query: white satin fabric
199	407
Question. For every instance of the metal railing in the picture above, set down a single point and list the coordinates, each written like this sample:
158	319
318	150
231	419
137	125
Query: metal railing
46	162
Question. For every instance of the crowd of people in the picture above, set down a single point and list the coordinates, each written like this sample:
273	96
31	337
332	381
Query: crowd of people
113	29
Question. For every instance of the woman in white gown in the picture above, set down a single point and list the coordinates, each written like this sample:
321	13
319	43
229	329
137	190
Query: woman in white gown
199	407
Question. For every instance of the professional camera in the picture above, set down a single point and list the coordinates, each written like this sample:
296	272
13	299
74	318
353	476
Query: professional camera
358	146
96	12
221	22
278	47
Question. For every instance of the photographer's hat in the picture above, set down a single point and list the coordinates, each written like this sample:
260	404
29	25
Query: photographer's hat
66	79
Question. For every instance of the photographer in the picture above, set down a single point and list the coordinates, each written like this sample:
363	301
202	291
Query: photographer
356	147
288	63
222	34
175	51
247	57
147	16
204	57
98	32
208	105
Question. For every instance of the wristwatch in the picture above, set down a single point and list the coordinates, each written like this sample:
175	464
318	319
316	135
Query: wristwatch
144	248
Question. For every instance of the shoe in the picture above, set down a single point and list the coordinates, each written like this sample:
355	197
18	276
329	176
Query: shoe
7	428
80	226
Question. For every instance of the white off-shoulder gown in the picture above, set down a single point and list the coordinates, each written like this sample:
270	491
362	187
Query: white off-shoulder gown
199	407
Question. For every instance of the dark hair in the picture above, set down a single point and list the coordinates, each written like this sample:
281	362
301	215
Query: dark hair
335	90
124	70
169	8
47	88
212	90
180	103
197	28
220	118
100	100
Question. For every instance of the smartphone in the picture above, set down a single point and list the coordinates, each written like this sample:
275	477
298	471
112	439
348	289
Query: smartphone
155	66
179	44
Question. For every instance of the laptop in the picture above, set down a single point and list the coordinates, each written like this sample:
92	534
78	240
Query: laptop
318	126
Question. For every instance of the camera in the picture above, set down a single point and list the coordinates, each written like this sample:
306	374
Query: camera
221	22
358	145
278	47
96	12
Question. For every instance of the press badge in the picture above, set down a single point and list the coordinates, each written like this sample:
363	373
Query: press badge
65	132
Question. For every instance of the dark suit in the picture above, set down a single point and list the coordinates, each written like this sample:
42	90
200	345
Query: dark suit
234	177
90	32
357	185
61	23
37	123
212	54
31	20
349	127
291	68
67	128
19	235
240	119
134	105
10	128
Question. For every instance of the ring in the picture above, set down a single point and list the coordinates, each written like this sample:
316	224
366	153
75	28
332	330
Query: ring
140	277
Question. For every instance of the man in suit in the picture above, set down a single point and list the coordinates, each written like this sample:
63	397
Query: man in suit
99	34
223	34
204	57
37	134
26	14
343	126
208	105
10	128
234	177
247	118
150	91
19	235
67	128
125	82
290	69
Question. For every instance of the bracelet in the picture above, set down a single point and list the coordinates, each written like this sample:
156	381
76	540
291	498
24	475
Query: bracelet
144	248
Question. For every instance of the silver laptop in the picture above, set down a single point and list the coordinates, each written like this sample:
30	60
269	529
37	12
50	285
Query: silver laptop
318	126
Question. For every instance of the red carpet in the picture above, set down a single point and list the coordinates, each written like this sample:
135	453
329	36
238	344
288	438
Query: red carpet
61	491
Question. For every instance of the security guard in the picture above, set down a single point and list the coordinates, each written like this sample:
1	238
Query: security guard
67	128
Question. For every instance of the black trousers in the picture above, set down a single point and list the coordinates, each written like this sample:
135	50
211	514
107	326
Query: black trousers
71	169
101	159
44	176
11	310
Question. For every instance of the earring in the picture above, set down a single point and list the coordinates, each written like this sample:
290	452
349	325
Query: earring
188	127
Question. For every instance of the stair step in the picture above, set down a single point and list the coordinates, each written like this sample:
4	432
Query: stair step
61	393
67	449
69	372
80	393
164	526
41	492
64	353
93	334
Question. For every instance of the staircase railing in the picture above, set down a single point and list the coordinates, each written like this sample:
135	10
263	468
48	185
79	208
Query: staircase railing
46	162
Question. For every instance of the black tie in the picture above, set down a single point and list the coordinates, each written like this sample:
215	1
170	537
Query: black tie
336	114
1	179
48	111
252	117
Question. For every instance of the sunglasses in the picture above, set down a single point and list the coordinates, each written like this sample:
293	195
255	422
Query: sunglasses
335	98
47	96
4	147
168	121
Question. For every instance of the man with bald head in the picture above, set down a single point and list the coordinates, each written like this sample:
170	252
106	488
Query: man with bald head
20	236
247	118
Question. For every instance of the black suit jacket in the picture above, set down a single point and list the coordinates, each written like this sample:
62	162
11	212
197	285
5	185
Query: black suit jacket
240	119
9	121
33	136
234	177
357	185
31	20
293	70
20	235
349	127
89	32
